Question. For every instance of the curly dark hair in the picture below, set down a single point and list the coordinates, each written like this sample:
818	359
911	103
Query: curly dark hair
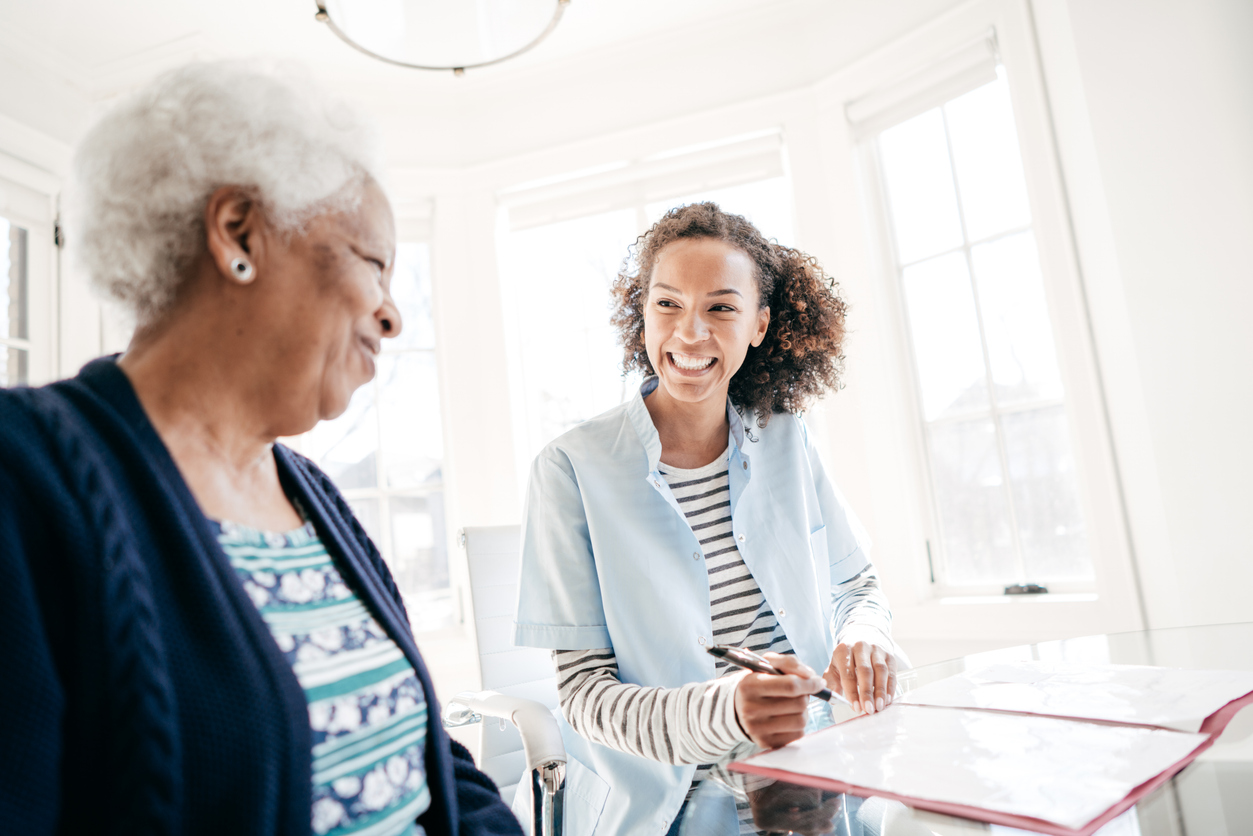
800	357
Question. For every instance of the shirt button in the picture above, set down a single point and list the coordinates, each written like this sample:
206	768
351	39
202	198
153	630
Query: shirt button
741	538
745	465
782	613
700	640
695	555
656	484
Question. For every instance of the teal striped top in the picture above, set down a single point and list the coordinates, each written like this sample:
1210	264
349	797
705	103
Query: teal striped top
367	710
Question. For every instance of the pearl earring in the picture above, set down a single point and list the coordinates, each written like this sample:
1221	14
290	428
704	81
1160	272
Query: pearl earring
242	269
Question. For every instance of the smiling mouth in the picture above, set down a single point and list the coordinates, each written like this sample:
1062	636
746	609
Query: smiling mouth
690	362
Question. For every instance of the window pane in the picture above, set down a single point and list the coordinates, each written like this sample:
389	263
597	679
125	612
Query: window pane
411	290
367	513
767	204
434	609
945	332
13	313
1046	495
347	447
13	371
13	305
970	495
1016	320
567	362
919	180
413	443
420	561
987	159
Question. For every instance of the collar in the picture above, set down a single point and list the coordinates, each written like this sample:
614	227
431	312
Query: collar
647	431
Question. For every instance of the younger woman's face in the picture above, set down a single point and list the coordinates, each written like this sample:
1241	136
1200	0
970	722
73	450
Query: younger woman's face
701	316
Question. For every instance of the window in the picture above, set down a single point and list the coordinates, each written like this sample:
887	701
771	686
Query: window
990	396
767	203
14	307
385	453
566	361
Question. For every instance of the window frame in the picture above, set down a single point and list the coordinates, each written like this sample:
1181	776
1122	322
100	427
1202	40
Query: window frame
937	568
28	202
890	414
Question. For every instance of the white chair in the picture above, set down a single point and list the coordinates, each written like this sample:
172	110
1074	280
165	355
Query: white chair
520	688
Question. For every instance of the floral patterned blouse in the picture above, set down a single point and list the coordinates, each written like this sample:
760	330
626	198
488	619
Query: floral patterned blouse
366	707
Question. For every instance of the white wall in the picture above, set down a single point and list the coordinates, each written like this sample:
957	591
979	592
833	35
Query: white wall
1154	107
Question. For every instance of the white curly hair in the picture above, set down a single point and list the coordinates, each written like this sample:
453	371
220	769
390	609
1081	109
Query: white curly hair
143	174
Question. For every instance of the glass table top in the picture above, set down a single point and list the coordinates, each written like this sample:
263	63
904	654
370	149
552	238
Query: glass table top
1212	795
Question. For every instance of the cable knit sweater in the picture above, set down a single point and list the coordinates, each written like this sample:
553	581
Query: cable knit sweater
142	692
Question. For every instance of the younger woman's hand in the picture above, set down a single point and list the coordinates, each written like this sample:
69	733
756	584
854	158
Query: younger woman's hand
771	708
864	674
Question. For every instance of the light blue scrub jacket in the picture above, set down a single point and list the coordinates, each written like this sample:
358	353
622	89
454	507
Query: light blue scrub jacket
608	560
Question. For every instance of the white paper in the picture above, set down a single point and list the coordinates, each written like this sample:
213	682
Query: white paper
1168	697
1061	771
1013	673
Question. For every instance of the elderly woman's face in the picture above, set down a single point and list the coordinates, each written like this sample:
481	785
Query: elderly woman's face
338	277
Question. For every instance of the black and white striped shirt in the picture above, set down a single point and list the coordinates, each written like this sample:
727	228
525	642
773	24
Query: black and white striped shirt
696	723
739	611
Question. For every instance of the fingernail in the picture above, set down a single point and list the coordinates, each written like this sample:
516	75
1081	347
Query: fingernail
879	703
856	705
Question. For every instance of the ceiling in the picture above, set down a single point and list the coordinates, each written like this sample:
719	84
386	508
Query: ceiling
609	65
98	40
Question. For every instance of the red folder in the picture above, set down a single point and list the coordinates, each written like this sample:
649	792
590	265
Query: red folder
1212	728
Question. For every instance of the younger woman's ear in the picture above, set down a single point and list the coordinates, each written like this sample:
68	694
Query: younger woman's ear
763	323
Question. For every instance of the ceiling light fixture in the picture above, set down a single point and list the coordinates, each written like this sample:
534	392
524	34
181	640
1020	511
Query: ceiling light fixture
442	35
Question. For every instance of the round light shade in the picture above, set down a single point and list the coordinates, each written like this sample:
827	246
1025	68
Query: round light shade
442	34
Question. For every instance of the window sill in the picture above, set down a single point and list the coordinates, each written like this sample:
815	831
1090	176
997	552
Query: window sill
1046	598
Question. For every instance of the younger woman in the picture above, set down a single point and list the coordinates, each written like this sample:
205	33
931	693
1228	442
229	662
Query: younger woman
698	513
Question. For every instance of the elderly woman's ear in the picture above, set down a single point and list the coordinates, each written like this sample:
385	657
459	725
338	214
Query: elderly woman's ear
235	233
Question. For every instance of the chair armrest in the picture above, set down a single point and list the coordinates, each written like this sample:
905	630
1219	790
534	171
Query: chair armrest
541	736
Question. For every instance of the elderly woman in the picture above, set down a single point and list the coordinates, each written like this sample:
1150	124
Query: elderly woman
198	635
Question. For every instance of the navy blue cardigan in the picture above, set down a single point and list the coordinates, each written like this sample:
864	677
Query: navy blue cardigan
140	690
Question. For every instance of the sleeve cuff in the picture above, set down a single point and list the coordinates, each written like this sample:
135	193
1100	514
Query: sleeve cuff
730	719
849	566
561	637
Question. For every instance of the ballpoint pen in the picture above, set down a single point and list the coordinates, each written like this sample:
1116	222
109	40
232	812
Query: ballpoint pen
747	659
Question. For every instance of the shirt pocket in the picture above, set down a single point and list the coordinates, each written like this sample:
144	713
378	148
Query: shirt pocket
818	546
584	799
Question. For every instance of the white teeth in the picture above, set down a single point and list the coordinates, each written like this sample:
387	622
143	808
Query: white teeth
690	362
